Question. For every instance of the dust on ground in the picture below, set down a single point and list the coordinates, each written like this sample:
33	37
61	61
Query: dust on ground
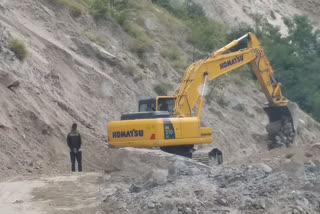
72	193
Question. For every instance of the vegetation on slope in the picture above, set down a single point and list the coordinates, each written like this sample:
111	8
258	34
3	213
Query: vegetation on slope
75	7
204	33
295	59
18	48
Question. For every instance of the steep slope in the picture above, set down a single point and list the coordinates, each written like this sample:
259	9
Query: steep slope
233	12
67	78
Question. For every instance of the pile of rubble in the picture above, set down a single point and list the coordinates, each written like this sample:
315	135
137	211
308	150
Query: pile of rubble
281	133
189	187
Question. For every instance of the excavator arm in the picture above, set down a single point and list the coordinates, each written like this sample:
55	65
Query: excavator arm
190	92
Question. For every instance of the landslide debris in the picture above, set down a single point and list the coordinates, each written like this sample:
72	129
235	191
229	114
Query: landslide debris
172	184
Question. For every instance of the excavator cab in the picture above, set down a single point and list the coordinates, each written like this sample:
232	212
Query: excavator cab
161	107
161	103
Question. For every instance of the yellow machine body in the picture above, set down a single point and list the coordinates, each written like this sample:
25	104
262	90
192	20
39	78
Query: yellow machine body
158	132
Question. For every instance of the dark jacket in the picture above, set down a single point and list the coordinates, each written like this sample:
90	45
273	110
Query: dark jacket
74	140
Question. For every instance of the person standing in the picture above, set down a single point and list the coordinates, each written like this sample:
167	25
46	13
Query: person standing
74	143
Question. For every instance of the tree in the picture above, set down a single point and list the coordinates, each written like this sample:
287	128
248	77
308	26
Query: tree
294	59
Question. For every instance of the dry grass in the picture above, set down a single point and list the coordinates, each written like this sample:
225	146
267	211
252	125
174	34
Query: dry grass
96	39
175	57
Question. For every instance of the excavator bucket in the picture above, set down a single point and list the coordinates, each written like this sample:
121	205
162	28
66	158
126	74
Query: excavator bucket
283	124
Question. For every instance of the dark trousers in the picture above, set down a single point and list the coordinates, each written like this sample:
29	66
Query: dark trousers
73	157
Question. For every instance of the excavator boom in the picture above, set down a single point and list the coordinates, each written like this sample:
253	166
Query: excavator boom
220	63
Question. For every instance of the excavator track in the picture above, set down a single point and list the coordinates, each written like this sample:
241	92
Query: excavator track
211	157
185	151
207	157
202	158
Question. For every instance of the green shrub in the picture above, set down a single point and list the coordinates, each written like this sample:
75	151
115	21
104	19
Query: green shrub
180	63
134	30
121	17
182	10
139	47
124	20
19	48
133	71
172	53
142	42
75	8
84	3
175	57
294	58
102	9
204	33
121	12
96	39
99	9
161	89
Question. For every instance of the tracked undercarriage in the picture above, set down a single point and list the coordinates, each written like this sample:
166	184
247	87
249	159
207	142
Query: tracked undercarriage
205	156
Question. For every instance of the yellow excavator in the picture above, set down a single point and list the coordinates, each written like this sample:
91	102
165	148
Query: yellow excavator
173	122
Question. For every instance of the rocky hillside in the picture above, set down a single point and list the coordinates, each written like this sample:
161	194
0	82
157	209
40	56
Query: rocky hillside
78	69
233	12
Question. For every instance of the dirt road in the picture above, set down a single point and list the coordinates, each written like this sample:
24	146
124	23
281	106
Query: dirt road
74	193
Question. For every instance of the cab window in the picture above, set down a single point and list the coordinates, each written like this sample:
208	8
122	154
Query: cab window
166	105
147	107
